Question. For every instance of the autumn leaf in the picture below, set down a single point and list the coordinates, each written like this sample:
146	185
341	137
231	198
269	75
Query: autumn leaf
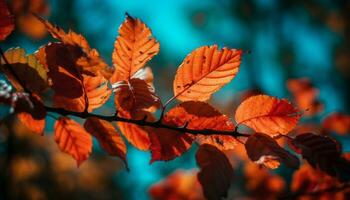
135	94
133	48
136	135
6	21
35	125
109	139
26	22
305	95
97	91
267	115
337	122
27	68
90	62
135	99
321	152
264	150
33	117
70	84
59	61
146	74
31	26
261	183
168	144
178	185
204	71
199	116
308	179
215	173
73	139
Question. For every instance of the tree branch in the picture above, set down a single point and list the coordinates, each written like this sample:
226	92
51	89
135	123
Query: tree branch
144	122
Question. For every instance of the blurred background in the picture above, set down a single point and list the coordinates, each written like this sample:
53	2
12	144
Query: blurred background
284	40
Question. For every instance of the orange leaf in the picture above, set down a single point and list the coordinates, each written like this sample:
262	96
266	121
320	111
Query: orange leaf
338	123
133	48
59	60
178	185
91	61
205	71
267	115
69	82
216	172
201	115
136	135
97	91
6	21
261	183
308	180
26	22
109	139
35	125
73	139
305	95
168	144
264	150
33	117
135	94
31	26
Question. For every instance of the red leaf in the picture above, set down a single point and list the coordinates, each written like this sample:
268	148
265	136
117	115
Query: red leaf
73	139
216	172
